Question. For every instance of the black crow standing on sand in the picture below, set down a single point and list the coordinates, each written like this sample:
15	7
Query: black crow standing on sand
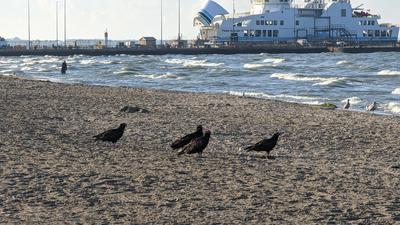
197	145
188	138
265	145
111	135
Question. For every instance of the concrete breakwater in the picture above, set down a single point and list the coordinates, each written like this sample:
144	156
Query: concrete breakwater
195	51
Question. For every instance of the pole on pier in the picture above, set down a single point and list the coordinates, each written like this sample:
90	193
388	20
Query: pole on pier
161	38
29	25
179	23
65	23
56	23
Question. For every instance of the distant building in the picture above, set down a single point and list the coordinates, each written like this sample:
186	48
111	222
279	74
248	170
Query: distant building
3	42
148	42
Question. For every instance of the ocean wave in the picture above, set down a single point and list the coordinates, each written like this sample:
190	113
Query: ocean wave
353	100
163	76
389	73
342	62
193	63
309	100
396	91
321	80
42	69
274	60
26	68
87	62
393	107
253	66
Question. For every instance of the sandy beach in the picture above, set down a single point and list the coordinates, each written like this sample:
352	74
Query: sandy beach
330	166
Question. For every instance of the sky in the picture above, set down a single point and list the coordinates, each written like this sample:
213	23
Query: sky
127	19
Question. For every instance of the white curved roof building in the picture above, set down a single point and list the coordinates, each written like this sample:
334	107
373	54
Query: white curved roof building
282	20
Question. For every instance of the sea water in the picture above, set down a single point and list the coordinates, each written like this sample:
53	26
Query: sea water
302	78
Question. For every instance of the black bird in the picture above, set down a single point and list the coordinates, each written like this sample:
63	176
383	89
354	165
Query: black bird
197	145
112	135
188	138
265	145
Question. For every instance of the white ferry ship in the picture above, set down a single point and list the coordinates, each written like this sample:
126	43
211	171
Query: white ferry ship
285	21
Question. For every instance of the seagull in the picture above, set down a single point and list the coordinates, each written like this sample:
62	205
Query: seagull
188	138
112	135
347	106
197	145
372	107
265	145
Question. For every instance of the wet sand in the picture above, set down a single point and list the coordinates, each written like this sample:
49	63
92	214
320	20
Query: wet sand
330	166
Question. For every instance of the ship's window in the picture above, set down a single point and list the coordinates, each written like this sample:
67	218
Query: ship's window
365	23
389	33
364	33
258	22
297	23
269	33
252	33
275	22
343	12
282	22
383	33
245	33
372	23
262	22
370	33
276	33
369	22
258	33
377	33
264	33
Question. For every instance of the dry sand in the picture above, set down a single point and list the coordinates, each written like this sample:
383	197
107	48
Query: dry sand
329	167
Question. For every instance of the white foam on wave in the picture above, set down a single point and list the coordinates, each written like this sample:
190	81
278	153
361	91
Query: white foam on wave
284	97
323	81
342	62
252	66
274	60
353	100
393	107
193	63
389	73
396	91
26	68
163	76
87	61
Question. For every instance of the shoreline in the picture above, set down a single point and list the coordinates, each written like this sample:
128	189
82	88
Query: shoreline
46	79
329	166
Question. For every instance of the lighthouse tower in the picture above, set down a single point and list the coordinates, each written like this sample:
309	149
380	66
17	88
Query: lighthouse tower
106	39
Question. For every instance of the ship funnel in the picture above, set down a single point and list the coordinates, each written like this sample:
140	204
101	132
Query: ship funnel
208	12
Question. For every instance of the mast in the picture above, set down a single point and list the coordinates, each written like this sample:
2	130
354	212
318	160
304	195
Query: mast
57	23
179	22
29	25
161	38
65	23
